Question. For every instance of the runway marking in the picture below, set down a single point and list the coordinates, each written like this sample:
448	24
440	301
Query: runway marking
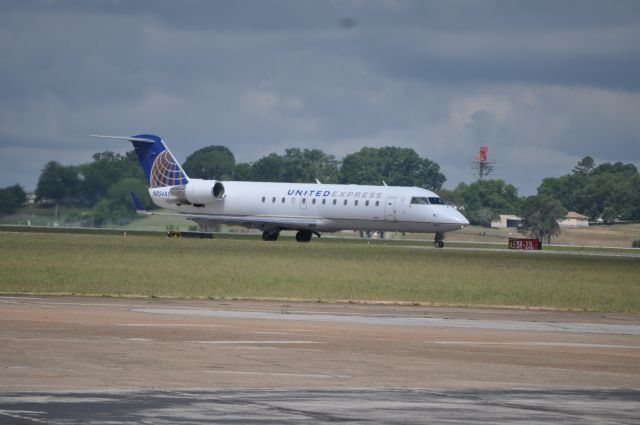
53	303
264	333
254	342
248	348
293	375
139	339
537	344
511	325
20	414
170	325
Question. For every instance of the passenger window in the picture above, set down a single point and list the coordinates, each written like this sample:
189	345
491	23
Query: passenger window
313	201
273	200
283	200
377	203
304	200
355	202
345	202
324	201
264	199
335	201
366	203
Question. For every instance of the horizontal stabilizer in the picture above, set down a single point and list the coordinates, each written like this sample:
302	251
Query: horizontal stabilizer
131	139
138	204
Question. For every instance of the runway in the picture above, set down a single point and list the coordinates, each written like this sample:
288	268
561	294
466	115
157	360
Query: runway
274	362
359	406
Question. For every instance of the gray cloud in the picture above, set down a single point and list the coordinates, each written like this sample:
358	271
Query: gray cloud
542	83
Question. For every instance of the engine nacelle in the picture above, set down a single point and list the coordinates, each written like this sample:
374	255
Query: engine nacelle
199	192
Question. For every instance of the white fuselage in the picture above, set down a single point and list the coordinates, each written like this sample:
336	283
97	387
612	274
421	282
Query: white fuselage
334	207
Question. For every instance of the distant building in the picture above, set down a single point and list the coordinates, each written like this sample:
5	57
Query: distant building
506	220
573	219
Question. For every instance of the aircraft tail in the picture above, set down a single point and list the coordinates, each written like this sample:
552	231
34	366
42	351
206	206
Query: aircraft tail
159	164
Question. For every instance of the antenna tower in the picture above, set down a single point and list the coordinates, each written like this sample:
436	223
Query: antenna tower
481	166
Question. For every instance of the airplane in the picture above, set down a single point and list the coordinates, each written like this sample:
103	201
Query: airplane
308	208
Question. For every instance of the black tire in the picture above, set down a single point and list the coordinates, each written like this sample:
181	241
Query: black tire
270	235
303	235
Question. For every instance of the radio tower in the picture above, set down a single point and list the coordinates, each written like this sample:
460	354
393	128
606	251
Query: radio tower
481	166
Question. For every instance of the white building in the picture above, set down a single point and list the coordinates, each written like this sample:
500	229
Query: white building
506	220
573	219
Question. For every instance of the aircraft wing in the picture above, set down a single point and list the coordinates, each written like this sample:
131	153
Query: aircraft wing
255	221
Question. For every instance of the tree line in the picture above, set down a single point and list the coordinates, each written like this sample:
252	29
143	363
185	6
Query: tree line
394	165
100	190
607	191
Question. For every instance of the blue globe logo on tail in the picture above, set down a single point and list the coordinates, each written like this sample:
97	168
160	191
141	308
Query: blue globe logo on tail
166	172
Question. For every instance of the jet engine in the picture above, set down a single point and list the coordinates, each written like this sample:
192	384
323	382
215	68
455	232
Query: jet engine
199	192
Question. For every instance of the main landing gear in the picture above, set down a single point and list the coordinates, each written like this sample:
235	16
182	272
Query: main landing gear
305	235
270	235
301	236
439	242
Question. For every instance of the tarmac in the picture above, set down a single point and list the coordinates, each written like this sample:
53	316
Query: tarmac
118	360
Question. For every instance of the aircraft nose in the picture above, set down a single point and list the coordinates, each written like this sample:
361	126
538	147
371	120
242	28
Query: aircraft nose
459	218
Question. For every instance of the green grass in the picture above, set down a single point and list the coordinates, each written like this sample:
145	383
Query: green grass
245	268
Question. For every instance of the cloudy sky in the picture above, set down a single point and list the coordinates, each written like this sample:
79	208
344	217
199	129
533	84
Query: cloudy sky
542	83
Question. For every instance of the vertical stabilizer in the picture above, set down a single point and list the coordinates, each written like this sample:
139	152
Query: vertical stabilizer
158	163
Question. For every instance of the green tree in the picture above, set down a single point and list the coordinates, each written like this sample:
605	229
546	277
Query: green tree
211	163
484	200
297	165
540	215
107	167
591	189
12	198
585	166
307	165
268	168
243	171
117	207
394	165
609	215
57	183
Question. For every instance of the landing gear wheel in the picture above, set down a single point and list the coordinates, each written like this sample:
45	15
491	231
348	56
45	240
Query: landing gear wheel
304	235
438	244
270	235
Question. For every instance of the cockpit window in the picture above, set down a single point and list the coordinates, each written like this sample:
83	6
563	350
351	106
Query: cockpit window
419	200
436	200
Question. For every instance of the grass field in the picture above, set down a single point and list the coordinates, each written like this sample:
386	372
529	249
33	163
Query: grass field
116	265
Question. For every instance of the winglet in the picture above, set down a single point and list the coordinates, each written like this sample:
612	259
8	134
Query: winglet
136	203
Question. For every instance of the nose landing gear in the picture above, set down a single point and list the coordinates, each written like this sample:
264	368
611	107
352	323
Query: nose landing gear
439	241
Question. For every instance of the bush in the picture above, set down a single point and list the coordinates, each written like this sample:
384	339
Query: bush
635	243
